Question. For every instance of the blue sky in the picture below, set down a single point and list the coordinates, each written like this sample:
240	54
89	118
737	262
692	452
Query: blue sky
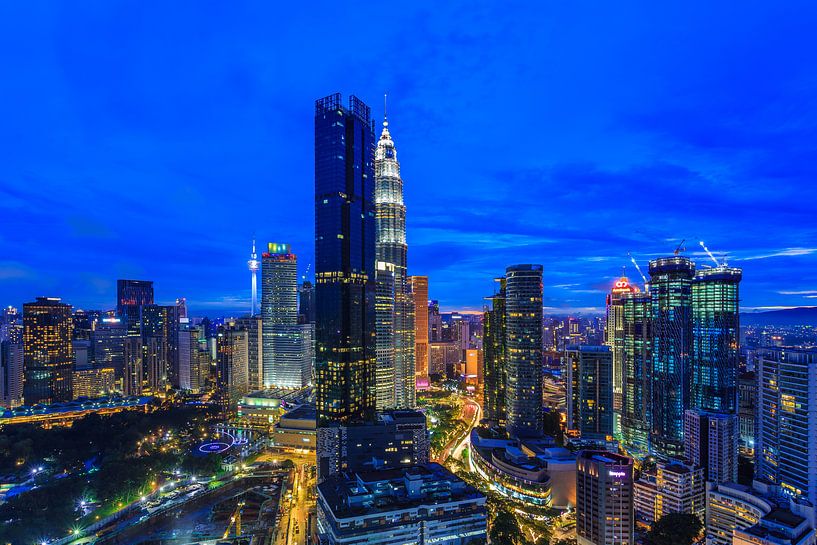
151	140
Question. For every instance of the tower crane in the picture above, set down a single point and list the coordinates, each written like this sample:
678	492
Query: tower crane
679	249
235	519
644	278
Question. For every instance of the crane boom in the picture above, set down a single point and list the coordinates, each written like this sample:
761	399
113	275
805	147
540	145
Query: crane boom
679	249
709	254
644	278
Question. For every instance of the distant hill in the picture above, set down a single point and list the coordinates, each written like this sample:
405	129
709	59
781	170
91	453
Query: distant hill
791	316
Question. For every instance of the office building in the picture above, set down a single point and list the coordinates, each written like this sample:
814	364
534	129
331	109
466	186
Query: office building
395	439
636	372
160	340
133	370
419	293
435	322
589	384
93	383
614	338
715	335
730	507
672	487
786	427
306	303
345	362
294	356
421	505
11	368
231	365
444	357
385	381
108	345
131	296
747	412
779	527
496	357
604	498
671	305
47	358
711	441
391	251
253	325
523	310
279	300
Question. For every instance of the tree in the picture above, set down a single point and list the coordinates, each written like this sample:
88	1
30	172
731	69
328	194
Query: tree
504	529
675	529
565	541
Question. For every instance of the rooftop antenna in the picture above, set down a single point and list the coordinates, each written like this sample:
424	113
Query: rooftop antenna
644	278
385	117
709	253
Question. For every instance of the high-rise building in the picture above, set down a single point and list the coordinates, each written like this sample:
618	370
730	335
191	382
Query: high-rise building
47	351
345	362
636	372
523	310
306	303
11	367
673	487
671	294
108	346
419	293
495	358
160	340
715	338
614	338
231	365
711	441
604	498
255	360
786	427
131	295
385	381
281	350
435	322
590	390
92	383
133	371
747	411
391	249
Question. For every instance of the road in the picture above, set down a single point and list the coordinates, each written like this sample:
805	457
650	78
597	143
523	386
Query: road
471	414
293	526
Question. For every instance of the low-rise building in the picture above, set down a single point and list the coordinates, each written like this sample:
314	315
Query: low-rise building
730	507
422	505
778	527
296	429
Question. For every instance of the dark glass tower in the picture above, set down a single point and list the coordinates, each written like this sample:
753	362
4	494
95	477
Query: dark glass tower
636	371
523	315
671	299
716	330
131	296
495	357
47	352
345	359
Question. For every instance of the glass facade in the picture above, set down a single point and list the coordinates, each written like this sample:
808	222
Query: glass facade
523	311
131	295
636	367
345	359
590	390
716	330
495	357
47	351
671	294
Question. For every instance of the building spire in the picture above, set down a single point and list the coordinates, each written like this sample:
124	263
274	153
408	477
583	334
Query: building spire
385	117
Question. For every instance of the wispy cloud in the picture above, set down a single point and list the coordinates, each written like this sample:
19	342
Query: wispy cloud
786	252
797	292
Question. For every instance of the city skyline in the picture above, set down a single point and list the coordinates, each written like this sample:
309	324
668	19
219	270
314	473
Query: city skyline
675	150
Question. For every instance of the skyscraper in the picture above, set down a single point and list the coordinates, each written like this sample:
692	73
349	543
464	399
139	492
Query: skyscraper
160	335
131	295
47	351
711	441
385	301
231	365
279	314
590	390
391	249
306	303
604	499
253	325
614	338
523	311
671	300
636	400
345	261
715	334
419	293
496	357
786	427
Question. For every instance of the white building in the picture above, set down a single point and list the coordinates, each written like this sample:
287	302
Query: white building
674	487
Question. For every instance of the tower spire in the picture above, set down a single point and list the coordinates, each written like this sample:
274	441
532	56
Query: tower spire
385	116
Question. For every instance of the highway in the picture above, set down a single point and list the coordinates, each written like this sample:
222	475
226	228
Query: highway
471	414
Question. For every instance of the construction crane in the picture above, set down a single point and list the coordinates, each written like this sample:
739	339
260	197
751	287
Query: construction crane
710	254
235	519
644	278
679	249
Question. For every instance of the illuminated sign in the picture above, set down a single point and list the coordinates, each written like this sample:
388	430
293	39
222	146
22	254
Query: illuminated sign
617	473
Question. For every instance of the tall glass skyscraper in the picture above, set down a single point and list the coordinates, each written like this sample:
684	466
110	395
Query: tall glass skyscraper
636	372
523	311
131	296
345	361
419	293
590	390
47	351
286	345
671	299
716	335
385	336
391	249
495	358
614	338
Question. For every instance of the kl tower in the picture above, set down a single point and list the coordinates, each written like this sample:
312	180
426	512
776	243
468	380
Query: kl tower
253	265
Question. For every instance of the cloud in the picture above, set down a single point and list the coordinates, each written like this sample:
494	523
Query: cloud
798	292
786	252
12	270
